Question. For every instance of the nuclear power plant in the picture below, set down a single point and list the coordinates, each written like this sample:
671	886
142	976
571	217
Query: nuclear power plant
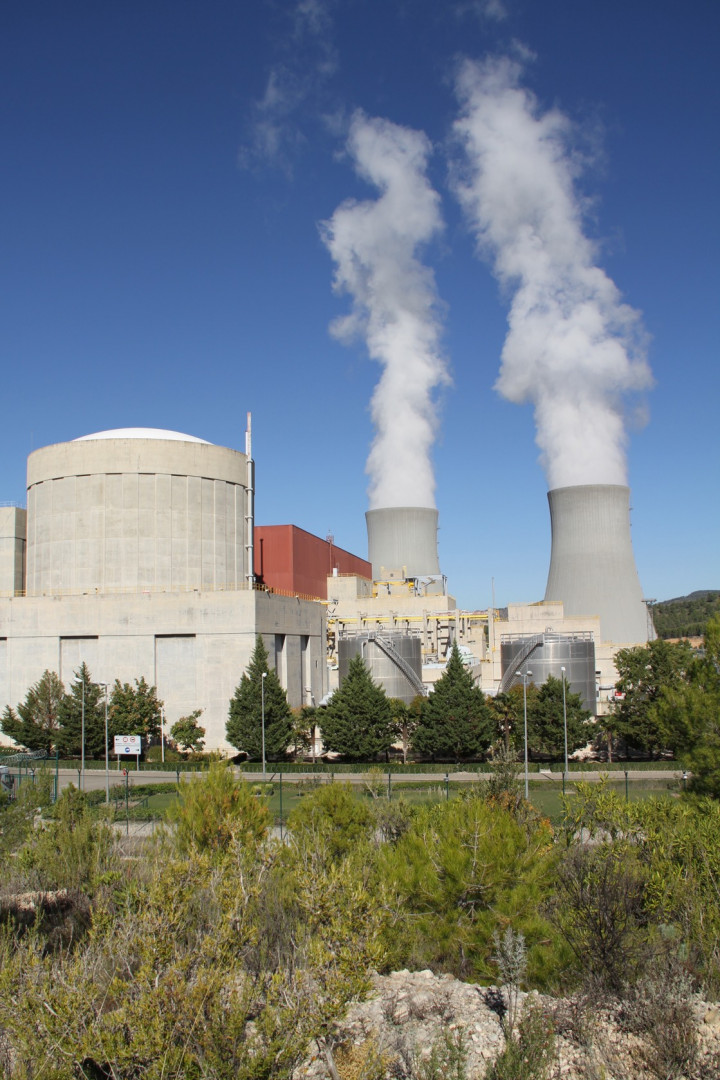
138	554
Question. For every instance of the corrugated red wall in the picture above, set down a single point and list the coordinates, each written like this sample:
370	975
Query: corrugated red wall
295	561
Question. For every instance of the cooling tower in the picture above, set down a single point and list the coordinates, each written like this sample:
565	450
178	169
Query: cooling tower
592	567
402	542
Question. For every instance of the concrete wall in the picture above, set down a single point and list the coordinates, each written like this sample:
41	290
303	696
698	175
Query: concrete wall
113	515
193	647
13	532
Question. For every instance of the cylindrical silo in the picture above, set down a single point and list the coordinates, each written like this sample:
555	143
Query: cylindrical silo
592	566
382	663
547	654
135	509
402	542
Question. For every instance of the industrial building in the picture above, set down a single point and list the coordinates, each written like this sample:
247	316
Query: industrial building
593	604
289	559
135	555
138	554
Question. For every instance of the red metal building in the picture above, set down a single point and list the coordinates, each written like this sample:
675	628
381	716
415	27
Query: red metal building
294	561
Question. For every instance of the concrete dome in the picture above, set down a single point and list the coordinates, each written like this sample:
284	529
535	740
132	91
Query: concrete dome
142	433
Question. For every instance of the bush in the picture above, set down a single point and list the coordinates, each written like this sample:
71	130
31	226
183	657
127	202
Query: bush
530	1055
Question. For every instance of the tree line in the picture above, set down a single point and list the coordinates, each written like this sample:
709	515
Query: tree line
668	704
74	721
456	722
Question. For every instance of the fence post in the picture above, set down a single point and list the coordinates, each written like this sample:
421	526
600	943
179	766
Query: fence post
627	796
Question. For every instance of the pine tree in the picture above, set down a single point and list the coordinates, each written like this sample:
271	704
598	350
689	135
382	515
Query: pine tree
36	722
88	698
357	722
134	710
456	722
244	726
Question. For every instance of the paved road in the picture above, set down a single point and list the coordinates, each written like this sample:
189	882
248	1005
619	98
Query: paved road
95	779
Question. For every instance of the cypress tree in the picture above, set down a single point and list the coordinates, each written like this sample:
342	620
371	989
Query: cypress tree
358	722
456	721
244	725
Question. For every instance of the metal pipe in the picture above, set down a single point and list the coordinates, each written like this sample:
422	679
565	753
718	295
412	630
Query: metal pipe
250	504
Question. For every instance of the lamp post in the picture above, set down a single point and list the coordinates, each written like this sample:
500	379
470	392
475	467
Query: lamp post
565	774
82	737
162	733
525	678
107	750
262	699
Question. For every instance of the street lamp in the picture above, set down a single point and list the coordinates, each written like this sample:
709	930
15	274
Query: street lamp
565	729
525	678
262	699
107	751
82	736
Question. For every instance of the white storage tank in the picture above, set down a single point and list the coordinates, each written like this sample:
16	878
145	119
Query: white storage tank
393	660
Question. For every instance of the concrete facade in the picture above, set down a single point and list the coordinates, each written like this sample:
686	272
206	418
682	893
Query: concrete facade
194	647
136	565
13	534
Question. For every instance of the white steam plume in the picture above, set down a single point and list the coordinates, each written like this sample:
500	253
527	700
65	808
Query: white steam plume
573	347
394	303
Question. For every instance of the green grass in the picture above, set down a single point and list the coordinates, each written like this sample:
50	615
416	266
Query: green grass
152	800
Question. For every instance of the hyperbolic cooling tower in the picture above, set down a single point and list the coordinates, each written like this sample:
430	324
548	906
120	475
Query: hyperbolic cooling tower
592	567
402	542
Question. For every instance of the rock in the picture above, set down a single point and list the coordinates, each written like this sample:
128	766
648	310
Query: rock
408	1014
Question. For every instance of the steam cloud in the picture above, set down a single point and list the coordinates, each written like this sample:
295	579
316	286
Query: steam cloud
374	245
573	347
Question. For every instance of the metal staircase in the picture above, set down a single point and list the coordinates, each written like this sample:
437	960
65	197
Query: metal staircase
400	662
527	650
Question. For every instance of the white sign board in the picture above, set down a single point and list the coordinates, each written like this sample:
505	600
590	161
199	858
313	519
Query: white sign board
125	745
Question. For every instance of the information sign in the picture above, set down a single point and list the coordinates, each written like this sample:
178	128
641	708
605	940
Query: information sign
125	745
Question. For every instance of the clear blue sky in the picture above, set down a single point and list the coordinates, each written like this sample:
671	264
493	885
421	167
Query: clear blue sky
166	168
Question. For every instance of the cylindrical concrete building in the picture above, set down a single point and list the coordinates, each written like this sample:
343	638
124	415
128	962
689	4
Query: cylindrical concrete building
592	567
137	509
402	542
